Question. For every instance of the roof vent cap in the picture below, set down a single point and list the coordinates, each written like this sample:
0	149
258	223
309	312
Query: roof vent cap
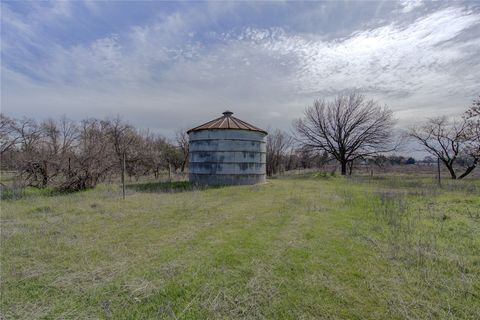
227	113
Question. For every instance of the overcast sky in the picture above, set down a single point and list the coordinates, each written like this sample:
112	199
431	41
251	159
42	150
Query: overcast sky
166	65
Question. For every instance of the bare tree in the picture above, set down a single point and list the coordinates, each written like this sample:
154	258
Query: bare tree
152	159
92	160
348	128
472	136
172	156
28	163
8	133
69	140
74	156
278	142
448	141
181	138
54	149
474	110
122	137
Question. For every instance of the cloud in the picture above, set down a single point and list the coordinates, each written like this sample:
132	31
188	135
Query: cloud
177	70
409	5
399	59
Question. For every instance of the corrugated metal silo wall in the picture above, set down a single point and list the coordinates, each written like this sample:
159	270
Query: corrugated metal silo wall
226	157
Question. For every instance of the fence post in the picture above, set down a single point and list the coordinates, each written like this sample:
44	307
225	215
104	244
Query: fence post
123	175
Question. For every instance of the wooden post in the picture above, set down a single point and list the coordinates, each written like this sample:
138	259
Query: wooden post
438	172
123	175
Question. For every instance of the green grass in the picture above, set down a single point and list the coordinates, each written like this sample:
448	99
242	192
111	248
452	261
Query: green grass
307	246
19	193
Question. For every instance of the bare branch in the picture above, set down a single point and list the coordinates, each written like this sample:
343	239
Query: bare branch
347	128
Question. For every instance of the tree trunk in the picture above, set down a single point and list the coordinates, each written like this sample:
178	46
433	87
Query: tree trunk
469	169
452	172
44	174
344	168
184	162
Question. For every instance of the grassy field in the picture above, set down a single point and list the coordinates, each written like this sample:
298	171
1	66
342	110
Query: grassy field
302	247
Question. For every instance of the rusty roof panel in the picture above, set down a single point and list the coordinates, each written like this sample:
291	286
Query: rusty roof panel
227	121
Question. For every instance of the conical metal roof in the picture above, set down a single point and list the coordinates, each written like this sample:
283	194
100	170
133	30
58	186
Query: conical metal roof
227	121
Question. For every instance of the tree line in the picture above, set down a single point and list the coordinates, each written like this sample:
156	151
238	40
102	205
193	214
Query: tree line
351	129
69	155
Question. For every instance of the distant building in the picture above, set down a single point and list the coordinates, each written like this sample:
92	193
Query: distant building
227	151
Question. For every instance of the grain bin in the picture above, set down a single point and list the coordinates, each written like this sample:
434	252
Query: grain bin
227	151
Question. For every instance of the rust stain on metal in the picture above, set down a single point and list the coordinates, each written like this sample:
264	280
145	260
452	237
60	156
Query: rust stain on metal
226	151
